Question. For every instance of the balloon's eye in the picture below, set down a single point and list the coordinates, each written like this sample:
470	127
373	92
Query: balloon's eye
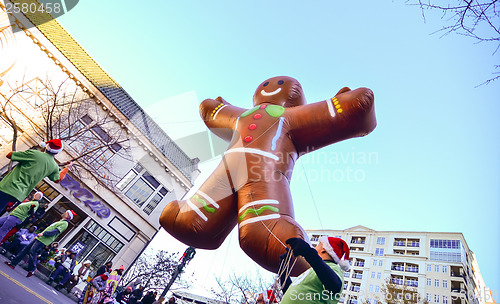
265	84
281	82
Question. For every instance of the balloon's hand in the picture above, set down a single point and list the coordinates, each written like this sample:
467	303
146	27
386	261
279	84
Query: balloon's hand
300	247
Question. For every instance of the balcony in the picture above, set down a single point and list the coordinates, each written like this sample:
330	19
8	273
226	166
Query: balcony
359	264
398	268
399	243
413	244
357	276
355	288
397	281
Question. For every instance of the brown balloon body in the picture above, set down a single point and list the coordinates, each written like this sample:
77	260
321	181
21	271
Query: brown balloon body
251	186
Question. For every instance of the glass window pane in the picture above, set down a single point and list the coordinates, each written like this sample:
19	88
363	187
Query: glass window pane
138	168
151	180
126	180
163	191
139	192
153	203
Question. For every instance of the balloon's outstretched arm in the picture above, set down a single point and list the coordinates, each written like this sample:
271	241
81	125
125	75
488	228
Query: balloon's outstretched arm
351	113
220	116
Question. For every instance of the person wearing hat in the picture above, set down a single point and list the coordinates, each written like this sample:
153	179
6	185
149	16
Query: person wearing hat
19	215
323	282
32	167
94	290
113	280
124	296
80	274
68	263
43	239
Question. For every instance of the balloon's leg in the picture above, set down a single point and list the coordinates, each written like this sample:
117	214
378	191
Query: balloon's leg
205	219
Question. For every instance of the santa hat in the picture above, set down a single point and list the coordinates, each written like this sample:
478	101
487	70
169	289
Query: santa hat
54	146
337	249
39	193
121	268
71	214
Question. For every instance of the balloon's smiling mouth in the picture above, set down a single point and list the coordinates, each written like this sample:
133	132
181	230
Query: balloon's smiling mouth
270	93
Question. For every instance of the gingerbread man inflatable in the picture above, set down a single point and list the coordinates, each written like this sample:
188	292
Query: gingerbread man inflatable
251	186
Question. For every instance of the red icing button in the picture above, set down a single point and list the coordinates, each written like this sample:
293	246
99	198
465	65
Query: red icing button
248	138
257	116
263	106
252	126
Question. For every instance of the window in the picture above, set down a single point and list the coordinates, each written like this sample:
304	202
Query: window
379	251
451	244
371	288
380	262
436	268
436	283
381	241
445	300
436	298
428	297
429	282
142	188
373	275
374	262
377	288
379	275
429	267
445	268
100	247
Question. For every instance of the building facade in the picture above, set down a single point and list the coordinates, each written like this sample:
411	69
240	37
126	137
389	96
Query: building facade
439	266
126	167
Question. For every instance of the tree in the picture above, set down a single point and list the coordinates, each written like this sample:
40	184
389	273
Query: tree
90	131
241	288
153	270
472	18
393	291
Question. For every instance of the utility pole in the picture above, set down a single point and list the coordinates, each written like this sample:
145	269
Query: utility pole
186	257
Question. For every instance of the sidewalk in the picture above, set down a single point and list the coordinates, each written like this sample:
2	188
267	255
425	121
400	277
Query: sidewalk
42	277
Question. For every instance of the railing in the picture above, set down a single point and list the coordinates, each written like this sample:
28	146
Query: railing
399	243
412	269
357	241
414	244
411	283
459	290
398	268
346	274
360	264
357	276
355	288
397	281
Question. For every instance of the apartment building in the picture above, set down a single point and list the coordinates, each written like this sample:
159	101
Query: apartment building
438	265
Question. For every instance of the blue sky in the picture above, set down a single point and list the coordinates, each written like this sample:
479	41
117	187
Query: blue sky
437	148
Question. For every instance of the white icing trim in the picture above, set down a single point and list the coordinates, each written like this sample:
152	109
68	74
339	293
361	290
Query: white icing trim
270	93
253	151
215	115
261	202
208	198
330	107
258	219
197	210
236	124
